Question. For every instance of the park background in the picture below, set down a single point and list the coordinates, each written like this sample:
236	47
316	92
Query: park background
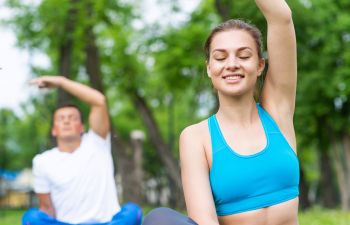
147	57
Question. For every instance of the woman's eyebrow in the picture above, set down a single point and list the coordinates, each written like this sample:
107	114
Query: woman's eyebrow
239	49
219	50
244	48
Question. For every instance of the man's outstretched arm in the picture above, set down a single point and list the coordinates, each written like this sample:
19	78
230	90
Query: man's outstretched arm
98	117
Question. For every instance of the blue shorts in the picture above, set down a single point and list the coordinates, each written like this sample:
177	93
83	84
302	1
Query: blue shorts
130	214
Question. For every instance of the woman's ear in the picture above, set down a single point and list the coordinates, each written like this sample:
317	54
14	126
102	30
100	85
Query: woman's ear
261	66
208	68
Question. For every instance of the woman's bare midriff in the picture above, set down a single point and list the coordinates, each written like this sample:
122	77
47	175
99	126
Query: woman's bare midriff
285	213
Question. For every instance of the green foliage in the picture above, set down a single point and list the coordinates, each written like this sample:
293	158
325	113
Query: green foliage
7	118
323	61
322	111
23	137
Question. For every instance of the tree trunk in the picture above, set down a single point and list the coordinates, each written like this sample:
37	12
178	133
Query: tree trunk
165	154
137	138
304	191
92	55
345	160
328	194
66	50
341	159
125	166
223	8
346	144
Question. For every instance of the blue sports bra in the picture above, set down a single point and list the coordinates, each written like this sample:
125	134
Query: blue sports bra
242	183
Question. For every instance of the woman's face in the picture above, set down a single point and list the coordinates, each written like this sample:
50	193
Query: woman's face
234	65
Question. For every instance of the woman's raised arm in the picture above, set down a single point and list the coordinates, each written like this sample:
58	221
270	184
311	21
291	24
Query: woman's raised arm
278	94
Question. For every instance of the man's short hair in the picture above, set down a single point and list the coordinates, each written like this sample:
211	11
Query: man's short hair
69	105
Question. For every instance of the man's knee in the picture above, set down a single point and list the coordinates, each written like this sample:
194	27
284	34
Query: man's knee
132	208
130	214
31	217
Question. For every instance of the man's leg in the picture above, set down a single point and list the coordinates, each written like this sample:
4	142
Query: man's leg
38	217
129	214
166	216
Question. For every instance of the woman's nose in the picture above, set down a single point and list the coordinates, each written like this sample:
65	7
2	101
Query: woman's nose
232	63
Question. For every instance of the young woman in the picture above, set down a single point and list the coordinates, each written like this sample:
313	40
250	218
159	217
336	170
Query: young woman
240	166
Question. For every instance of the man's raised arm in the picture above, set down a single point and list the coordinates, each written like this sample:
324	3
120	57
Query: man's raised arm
98	117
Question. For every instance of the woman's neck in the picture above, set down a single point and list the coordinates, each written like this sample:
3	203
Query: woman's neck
238	110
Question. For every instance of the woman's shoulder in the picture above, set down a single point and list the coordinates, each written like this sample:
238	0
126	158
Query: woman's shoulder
193	140
195	130
194	137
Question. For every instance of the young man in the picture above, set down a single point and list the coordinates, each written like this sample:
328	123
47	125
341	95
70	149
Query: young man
74	181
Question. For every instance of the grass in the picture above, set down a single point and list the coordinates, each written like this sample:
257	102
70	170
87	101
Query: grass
315	216
319	216
10	216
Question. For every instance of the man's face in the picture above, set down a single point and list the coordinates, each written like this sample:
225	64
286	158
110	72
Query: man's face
67	124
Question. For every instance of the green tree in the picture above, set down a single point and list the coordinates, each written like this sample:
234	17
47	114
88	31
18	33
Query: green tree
323	90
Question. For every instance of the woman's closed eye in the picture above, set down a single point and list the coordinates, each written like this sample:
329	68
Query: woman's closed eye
244	54
244	57
219	58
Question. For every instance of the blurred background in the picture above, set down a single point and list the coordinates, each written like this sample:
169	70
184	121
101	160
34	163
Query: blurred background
147	57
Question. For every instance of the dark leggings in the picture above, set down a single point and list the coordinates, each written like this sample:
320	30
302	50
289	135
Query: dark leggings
166	216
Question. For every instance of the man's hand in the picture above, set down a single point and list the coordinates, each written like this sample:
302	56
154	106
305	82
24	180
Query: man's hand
47	81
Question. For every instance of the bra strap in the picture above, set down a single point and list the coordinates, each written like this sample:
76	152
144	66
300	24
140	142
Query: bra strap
215	134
